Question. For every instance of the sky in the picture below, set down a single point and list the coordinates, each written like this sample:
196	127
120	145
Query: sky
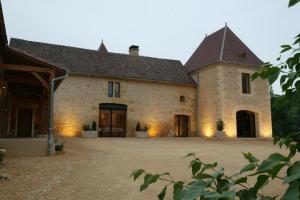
162	28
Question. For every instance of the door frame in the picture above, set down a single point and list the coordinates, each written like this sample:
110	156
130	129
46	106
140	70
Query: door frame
177	117
252	124
111	107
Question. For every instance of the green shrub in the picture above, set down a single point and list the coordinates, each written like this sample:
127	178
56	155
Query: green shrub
220	125
138	127
86	127
94	126
147	127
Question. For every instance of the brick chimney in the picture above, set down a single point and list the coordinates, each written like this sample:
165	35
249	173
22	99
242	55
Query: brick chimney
134	50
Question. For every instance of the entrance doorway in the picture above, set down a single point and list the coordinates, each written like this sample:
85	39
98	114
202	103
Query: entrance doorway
182	126
245	123
24	123
112	120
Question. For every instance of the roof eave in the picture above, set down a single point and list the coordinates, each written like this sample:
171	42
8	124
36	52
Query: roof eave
132	78
223	62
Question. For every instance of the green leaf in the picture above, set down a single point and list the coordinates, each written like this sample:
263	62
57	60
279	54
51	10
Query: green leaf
137	173
209	166
276	169
230	195
241	180
294	173
297	85
274	75
196	166
248	167
246	195
283	79
148	179
190	155
224	184
273	160
297	41
285	48
292	192
202	176
195	190
261	182
250	157
177	190
293	2
254	76
162	194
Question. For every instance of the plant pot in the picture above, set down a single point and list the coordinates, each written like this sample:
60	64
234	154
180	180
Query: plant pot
2	154
89	134
141	134
59	147
220	134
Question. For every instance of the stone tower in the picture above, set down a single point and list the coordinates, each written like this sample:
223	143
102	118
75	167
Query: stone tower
222	66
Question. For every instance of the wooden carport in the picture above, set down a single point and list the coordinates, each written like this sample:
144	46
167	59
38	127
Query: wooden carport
25	94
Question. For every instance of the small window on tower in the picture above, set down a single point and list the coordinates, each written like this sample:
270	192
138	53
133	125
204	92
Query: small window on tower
182	98
245	83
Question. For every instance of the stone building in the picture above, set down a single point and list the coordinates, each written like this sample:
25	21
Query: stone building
118	91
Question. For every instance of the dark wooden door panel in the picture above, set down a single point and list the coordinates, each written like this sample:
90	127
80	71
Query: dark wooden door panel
24	123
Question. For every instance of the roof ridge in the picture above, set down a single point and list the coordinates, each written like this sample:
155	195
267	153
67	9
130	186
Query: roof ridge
58	45
65	46
223	43
124	54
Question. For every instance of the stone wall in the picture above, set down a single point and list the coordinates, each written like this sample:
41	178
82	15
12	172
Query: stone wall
220	96
78	97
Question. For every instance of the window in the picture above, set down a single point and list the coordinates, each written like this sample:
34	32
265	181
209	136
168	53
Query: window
245	83
117	89
113	89
110	88
182	98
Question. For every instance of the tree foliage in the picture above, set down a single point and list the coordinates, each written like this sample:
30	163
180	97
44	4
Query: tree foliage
210	182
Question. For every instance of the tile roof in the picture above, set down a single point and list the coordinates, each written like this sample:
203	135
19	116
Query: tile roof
106	64
222	46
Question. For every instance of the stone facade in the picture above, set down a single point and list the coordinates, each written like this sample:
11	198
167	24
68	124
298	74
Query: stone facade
156	103
220	96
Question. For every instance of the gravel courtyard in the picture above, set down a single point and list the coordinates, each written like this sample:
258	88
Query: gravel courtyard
99	168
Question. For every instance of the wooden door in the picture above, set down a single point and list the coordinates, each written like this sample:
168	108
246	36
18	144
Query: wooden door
182	126
24	123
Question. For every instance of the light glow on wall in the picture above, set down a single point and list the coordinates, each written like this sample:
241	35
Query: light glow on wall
69	126
208	130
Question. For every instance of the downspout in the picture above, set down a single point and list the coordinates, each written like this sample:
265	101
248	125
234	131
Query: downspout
50	113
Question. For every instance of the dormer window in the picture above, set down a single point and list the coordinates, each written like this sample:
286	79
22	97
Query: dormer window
242	55
182	98
245	83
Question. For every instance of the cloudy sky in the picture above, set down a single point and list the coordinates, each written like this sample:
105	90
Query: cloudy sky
162	28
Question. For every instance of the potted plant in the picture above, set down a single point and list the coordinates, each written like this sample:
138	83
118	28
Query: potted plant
2	154
141	132
59	145
89	131
220	129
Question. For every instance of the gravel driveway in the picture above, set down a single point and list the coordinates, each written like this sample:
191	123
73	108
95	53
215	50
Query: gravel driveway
99	168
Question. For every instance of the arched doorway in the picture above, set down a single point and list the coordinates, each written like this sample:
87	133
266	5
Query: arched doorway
112	120
181	126
245	123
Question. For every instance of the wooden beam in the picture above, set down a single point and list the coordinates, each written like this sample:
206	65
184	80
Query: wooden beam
40	78
21	79
26	68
